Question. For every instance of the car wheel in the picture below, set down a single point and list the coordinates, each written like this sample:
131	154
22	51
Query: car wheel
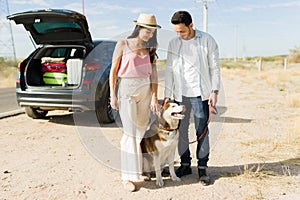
35	113
103	109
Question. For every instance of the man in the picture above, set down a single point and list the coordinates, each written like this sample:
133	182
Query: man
193	77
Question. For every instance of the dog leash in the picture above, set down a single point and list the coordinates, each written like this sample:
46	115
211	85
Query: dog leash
212	110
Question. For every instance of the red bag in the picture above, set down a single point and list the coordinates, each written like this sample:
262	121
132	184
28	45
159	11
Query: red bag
54	67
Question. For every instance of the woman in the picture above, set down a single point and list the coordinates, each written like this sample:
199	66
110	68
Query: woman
134	63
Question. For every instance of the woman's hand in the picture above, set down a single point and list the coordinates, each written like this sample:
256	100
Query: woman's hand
154	106
114	102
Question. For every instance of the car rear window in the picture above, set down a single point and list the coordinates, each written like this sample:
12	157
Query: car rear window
48	27
59	52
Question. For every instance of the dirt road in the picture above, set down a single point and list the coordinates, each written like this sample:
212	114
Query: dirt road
254	149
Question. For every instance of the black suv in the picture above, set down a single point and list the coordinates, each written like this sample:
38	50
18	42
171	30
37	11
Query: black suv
68	70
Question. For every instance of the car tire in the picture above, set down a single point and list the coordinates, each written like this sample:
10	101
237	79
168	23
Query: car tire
35	113
103	108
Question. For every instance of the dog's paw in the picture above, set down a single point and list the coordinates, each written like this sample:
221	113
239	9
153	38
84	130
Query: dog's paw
146	176
175	178
159	182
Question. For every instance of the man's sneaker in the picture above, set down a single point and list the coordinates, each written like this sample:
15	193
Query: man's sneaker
183	170
203	177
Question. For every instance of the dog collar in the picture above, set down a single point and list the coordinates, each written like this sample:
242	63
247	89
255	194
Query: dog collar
166	129
169	130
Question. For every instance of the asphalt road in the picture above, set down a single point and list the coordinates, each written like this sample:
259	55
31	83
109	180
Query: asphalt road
8	100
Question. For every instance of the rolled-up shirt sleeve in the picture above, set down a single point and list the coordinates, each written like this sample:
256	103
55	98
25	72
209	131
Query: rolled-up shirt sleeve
169	78
214	64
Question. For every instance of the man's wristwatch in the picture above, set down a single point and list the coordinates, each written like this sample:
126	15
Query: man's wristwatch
215	91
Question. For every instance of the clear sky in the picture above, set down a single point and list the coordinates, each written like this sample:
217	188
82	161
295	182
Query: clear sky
240	27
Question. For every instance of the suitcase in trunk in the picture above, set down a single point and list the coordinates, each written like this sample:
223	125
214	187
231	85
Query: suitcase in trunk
74	71
54	67
54	78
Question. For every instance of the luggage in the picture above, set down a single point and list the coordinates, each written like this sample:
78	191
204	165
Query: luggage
50	59
55	78
50	64
54	67
74	71
57	72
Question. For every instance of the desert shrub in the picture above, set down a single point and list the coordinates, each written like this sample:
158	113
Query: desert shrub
231	65
294	56
239	64
274	59
4	62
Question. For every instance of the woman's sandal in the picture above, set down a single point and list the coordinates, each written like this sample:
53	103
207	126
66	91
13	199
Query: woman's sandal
129	186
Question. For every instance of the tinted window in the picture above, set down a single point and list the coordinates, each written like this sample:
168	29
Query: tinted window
58	52
48	27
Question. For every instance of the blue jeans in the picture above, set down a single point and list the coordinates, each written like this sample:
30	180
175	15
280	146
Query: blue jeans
201	114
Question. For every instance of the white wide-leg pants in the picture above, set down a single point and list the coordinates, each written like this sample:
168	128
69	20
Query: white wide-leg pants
134	109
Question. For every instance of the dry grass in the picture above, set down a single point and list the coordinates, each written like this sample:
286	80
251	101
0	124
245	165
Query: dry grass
284	81
294	58
293	100
229	64
290	143
275	146
258	171
269	144
294	136
259	196
7	76
274	77
293	161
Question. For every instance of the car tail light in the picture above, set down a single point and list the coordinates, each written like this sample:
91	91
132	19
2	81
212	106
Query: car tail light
86	82
89	67
19	66
92	66
20	70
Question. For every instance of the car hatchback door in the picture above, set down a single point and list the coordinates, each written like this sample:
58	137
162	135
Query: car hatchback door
53	26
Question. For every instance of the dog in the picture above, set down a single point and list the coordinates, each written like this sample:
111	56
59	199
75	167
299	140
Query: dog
160	142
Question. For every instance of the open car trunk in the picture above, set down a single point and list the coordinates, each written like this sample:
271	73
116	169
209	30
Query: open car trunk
56	66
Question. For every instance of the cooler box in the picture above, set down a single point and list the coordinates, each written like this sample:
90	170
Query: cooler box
74	71
54	78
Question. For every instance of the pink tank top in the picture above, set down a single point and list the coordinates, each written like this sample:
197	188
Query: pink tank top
134	65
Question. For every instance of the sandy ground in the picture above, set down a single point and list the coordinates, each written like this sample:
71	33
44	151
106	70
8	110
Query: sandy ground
255	153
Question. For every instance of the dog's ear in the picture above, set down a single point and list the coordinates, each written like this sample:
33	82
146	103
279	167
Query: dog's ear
166	106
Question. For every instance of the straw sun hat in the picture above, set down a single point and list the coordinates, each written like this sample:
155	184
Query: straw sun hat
146	20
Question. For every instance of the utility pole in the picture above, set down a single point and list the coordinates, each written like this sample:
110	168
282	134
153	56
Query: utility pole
235	43
205	16
7	49
83	7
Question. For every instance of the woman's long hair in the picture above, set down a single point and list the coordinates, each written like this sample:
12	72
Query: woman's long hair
151	45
